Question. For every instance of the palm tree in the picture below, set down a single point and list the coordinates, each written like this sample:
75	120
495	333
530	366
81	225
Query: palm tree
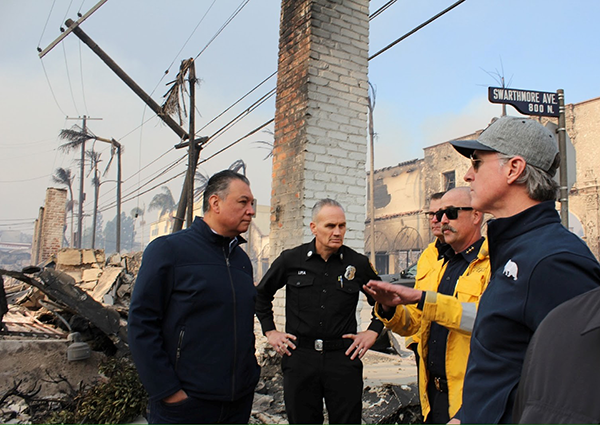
63	176
77	138
201	179
164	202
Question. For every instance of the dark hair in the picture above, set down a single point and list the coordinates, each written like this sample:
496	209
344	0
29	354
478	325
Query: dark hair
218	185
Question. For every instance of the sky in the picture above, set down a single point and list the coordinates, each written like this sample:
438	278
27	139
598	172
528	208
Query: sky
430	88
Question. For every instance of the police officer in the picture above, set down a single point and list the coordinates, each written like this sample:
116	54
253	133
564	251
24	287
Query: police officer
320	347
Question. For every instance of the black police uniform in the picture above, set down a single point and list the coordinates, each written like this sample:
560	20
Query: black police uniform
321	300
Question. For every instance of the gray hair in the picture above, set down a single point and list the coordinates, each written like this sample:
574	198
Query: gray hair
218	185
540	184
324	202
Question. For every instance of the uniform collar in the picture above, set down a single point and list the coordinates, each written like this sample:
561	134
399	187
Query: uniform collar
469	254
311	251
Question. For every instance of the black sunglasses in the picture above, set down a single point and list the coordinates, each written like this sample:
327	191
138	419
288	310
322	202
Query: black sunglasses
450	212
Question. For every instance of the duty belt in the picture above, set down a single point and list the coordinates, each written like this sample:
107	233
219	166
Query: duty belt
323	345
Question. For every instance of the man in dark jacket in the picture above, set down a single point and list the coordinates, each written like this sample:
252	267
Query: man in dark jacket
559	384
536	264
191	319
320	346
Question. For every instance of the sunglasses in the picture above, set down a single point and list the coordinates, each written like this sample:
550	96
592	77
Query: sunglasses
450	212
475	162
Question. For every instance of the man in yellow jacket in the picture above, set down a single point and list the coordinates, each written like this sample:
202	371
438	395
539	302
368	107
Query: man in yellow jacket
444	307
431	259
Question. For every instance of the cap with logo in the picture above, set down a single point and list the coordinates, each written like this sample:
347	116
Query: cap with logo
514	136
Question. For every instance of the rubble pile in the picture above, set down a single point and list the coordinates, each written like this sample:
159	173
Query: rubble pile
82	298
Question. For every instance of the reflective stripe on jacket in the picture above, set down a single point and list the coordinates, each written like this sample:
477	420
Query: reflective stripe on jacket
456	313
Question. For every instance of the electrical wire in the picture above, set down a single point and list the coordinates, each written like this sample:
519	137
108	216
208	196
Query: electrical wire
237	101
382	9
69	77
51	90
82	85
414	30
235	13
185	44
46	24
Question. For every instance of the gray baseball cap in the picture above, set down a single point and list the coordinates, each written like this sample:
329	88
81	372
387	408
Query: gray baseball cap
514	136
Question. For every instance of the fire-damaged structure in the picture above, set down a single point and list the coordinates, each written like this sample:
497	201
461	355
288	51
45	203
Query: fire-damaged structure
80	299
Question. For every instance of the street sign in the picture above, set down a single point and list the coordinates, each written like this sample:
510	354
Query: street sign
527	102
571	165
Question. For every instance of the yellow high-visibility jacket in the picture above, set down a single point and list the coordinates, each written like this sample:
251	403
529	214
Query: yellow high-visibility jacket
427	266
456	313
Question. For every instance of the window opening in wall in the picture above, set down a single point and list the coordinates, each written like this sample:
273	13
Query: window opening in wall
382	262
449	180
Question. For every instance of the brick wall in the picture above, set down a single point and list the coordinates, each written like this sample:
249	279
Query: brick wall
320	144
50	226
321	117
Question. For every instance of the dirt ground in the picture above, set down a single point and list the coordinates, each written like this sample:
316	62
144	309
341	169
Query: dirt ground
37	363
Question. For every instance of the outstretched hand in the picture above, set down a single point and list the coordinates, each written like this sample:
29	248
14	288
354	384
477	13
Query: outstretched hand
390	295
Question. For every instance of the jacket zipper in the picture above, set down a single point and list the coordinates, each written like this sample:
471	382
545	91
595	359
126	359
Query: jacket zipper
234	325
179	344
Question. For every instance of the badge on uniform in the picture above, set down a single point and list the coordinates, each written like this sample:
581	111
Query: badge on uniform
350	272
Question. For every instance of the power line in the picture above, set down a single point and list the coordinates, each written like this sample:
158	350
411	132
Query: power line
408	34
69	77
381	9
238	10
51	90
46	24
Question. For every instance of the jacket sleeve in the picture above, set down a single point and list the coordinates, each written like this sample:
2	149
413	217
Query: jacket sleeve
271	282
376	325
556	279
458	312
406	320
150	297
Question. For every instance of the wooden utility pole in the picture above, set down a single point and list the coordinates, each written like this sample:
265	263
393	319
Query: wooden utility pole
183	201
117	146
81	180
192	157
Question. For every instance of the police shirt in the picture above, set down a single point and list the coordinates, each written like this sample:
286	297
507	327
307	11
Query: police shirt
321	296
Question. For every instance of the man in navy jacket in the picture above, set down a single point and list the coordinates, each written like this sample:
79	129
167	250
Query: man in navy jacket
191	324
536	264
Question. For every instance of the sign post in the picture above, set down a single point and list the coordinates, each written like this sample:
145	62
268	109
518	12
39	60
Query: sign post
545	104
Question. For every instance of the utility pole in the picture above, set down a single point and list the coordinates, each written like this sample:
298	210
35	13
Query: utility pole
372	177
562	148
116	145
192	157
183	201
81	180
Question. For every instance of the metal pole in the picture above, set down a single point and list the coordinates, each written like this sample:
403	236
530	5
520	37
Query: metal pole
118	242
192	149
81	189
372	185
562	149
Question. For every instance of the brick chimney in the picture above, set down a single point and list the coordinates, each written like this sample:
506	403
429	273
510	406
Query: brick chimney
321	117
49	226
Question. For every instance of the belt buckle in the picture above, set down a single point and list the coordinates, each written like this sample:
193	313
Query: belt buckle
318	344
436	381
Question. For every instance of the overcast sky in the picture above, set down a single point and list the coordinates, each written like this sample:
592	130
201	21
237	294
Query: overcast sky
430	88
